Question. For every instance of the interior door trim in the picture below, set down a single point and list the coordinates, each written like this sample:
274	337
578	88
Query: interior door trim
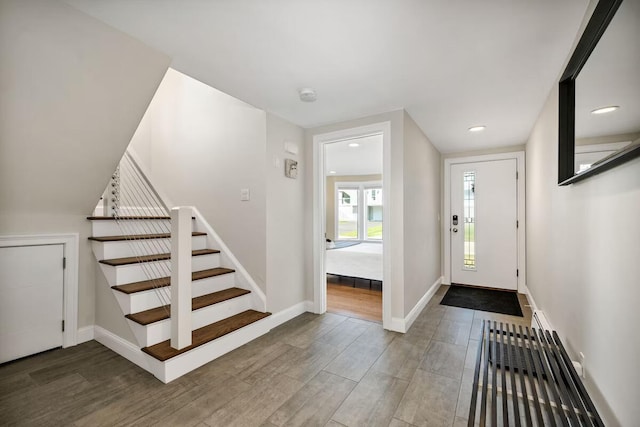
319	218
70	246
519	156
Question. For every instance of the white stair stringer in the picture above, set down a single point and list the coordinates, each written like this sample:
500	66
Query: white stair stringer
184	363
130	273
109	227
145	300
153	333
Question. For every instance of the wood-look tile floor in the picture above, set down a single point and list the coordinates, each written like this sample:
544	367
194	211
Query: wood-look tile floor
328	370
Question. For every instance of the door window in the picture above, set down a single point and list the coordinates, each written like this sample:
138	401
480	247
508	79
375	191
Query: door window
469	180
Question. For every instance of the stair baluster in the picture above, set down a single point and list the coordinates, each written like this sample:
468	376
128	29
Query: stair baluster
132	195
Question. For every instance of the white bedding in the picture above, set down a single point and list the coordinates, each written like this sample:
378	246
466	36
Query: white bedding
363	260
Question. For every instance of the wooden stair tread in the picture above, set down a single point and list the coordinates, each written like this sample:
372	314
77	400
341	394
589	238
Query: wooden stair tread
155	257
140	237
163	351
146	285
112	218
160	313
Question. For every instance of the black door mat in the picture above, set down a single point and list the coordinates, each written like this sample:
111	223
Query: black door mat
496	301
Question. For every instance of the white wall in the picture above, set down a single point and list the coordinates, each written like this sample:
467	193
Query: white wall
285	217
202	147
422	187
73	91
583	269
108	312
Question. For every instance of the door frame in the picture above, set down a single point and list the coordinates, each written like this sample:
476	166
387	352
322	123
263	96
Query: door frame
69	244
519	156
320	213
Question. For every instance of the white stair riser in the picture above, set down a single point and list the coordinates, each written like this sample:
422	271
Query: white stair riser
124	249
177	366
136	273
161	331
140	301
113	228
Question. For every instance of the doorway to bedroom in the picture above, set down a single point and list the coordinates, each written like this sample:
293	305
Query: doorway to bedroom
354	200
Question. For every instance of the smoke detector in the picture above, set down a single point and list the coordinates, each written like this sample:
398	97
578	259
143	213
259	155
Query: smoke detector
307	94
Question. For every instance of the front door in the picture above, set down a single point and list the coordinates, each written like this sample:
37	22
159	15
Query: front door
483	224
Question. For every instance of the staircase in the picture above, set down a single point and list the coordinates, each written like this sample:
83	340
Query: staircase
134	253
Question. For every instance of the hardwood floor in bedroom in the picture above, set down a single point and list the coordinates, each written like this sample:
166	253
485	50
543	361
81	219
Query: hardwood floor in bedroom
359	301
324	370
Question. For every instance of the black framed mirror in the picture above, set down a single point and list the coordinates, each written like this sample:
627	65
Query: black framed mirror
599	98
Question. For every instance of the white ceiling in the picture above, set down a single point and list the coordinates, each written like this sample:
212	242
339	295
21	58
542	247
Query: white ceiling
365	159
451	64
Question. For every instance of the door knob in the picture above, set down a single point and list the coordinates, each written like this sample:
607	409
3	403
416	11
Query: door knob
455	230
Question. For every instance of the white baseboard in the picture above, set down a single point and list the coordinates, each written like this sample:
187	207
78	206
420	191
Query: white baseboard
84	334
415	311
532	302
402	325
287	314
397	325
121	346
535	310
309	306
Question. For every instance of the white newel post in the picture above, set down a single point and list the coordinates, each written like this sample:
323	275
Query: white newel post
181	277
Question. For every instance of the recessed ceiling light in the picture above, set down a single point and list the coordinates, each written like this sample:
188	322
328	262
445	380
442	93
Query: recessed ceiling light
605	110
477	128
332	172
354	144
307	94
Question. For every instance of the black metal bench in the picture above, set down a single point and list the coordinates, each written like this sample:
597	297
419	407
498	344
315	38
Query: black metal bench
525	377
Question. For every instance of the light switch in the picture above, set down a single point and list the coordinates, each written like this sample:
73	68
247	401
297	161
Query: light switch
276	162
244	194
